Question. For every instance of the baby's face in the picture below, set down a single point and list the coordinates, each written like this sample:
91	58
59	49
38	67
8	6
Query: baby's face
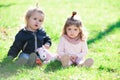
35	21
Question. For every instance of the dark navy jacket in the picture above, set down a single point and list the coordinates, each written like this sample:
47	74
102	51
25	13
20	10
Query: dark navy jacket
25	41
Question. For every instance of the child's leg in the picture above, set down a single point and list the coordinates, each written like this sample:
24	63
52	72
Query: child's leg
24	55
79	61
65	60
32	59
22	59
88	62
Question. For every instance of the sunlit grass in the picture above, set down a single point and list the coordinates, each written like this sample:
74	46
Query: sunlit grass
101	19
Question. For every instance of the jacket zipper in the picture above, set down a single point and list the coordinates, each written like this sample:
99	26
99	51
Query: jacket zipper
35	41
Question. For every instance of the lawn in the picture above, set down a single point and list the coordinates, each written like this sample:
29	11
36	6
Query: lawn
102	22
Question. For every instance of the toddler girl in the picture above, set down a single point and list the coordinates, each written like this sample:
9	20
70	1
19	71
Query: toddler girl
72	47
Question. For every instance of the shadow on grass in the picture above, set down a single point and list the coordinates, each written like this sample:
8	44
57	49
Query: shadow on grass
53	66
8	68
100	35
107	69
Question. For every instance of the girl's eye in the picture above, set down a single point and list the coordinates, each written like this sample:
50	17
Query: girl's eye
69	29
75	29
35	18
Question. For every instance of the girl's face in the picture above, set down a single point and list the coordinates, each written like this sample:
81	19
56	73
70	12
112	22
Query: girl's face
35	21
72	31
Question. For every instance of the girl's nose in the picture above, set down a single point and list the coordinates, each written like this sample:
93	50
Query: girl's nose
72	31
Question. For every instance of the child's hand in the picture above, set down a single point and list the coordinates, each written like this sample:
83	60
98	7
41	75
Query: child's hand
58	57
73	58
47	46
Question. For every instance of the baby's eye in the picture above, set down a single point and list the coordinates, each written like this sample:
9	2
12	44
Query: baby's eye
40	20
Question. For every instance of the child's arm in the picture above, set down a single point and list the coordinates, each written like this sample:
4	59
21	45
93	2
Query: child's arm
60	48
16	47
47	41
84	50
47	45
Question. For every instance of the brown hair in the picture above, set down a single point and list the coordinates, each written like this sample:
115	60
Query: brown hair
74	20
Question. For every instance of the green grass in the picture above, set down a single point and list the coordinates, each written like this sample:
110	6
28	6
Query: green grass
101	19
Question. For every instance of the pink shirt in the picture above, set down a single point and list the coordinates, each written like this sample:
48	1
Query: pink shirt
65	47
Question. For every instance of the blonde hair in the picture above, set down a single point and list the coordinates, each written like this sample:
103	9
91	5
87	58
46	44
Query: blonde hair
31	11
75	20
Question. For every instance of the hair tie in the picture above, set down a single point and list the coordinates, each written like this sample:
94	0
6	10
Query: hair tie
73	14
37	5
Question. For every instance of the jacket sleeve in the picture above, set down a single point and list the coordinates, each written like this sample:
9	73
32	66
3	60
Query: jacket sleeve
16	46
84	50
47	39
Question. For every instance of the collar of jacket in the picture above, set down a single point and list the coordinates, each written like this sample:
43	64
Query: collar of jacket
24	29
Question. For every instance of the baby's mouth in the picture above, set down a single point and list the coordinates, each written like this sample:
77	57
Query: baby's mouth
36	25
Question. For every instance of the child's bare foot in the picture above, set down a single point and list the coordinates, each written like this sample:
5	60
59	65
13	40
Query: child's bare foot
88	63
